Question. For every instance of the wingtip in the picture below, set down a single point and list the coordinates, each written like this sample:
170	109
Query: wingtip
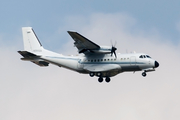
71	32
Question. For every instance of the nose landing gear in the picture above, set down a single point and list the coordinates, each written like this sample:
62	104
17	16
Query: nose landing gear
144	74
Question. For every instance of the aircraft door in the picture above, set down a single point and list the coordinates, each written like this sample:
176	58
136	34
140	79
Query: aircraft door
80	64
133	61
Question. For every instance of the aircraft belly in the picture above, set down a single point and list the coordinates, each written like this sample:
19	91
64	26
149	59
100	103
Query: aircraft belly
106	69
101	67
110	73
130	68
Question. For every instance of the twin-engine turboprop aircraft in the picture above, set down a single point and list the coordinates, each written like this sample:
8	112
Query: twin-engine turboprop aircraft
100	61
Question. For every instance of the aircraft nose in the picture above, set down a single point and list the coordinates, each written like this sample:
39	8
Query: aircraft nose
156	64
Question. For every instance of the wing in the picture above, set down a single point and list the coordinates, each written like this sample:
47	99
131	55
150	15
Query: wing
82	43
101	67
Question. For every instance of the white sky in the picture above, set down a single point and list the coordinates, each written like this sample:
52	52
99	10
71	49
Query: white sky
31	92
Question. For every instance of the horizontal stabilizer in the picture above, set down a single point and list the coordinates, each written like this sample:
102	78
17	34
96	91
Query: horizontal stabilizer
33	58
27	54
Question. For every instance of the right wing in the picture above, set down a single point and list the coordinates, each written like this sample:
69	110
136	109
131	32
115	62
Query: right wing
82	43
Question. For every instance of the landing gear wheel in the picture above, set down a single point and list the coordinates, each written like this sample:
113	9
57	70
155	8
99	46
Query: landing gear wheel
144	74
108	79
100	79
99	74
91	74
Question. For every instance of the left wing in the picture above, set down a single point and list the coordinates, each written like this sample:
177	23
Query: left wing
101	67
82	43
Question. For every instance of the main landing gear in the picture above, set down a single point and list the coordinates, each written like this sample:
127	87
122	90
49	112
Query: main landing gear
100	79
91	74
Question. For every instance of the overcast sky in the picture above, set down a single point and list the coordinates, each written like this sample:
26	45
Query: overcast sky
30	92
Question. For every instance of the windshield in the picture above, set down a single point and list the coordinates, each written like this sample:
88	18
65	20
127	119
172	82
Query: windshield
148	56
144	56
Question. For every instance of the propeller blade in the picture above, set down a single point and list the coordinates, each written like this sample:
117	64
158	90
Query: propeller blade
113	49
115	54
115	43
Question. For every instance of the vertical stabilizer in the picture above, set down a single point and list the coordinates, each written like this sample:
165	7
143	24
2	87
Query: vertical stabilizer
31	42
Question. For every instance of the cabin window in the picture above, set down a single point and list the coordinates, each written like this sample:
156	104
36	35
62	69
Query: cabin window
94	60
101	59
104	59
98	60
108	59
91	60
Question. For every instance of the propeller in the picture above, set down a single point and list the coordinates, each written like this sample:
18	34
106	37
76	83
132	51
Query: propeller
113	49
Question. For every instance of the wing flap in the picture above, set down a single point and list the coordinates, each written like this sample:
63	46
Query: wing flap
101	67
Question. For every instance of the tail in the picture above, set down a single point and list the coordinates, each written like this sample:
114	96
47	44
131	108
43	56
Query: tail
33	49
31	41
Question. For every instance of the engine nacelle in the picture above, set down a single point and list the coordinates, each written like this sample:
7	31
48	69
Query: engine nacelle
103	49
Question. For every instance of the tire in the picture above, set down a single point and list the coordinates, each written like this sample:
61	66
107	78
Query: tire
108	79
91	74
100	79
99	74
144	74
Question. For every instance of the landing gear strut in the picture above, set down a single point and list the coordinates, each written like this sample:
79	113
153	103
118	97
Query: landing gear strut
144	74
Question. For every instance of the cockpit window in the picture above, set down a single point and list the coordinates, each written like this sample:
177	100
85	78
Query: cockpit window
144	56
141	56
148	56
